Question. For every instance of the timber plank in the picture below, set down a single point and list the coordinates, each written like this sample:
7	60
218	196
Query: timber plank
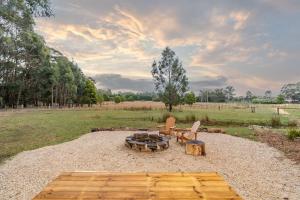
138	186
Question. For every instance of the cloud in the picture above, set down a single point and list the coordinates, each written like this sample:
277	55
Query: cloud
235	19
208	82
246	43
117	82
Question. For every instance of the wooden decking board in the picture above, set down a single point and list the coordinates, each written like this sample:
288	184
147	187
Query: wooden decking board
138	186
137	183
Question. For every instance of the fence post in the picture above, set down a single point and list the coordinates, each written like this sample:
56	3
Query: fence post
278	110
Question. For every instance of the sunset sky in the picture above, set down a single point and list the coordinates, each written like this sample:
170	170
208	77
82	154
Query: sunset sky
252	45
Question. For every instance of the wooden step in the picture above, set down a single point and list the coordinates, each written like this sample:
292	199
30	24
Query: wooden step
138	186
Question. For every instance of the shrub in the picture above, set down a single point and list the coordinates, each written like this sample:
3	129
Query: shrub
275	121
117	99
205	119
190	98
292	123
293	133
122	98
264	101
164	117
190	118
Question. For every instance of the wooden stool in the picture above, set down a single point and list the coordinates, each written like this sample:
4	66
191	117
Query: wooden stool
195	147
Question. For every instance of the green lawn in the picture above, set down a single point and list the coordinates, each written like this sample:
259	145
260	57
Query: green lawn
20	131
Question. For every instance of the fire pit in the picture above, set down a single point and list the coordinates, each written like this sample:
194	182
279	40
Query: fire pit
147	142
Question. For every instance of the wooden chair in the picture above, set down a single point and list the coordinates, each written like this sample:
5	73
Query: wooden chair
184	135
168	128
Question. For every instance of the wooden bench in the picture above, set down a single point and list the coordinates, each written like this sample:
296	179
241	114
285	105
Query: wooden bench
138	186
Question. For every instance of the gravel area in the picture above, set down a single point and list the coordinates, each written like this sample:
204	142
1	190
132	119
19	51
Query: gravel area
254	170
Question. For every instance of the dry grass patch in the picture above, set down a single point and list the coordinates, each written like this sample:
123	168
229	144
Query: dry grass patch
279	141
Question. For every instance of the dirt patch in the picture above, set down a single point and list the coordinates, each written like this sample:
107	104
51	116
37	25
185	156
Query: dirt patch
279	141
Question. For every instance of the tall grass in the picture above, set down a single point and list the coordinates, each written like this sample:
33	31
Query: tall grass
293	133
146	108
275	121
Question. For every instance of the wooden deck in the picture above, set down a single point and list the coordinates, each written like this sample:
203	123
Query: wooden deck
138	186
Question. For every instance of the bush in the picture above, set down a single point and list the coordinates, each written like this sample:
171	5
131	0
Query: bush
117	99
275	121
190	118
205	119
190	98
264	101
164	117
292	123
122	98
293	133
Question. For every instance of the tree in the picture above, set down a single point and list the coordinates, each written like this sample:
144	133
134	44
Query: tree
100	98
280	99
249	95
268	94
23	52
291	91
106	97
90	93
30	72
203	95
190	98
169	78
229	92
106	94
216	95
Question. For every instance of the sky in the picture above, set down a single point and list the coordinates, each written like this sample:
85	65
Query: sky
251	45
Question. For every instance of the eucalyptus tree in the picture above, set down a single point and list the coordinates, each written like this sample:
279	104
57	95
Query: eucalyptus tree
229	92
291	91
170	78
249	96
20	46
30	72
268	94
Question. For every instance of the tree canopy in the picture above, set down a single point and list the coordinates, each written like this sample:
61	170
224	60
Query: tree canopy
170	78
30	72
291	91
190	98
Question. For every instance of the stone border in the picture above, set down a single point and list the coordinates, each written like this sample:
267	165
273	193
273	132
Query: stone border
147	142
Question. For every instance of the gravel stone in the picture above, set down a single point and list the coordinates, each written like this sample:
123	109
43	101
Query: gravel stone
254	170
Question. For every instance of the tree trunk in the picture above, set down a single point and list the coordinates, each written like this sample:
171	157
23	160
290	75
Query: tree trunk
19	94
170	107
56	95
52	98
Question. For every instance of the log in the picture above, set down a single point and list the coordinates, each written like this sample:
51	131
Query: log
216	130
195	147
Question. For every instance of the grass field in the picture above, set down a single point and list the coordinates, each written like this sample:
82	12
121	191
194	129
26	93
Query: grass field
30	129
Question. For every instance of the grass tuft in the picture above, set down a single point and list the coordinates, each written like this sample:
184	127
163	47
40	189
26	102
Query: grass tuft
275	121
292	123
293	133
